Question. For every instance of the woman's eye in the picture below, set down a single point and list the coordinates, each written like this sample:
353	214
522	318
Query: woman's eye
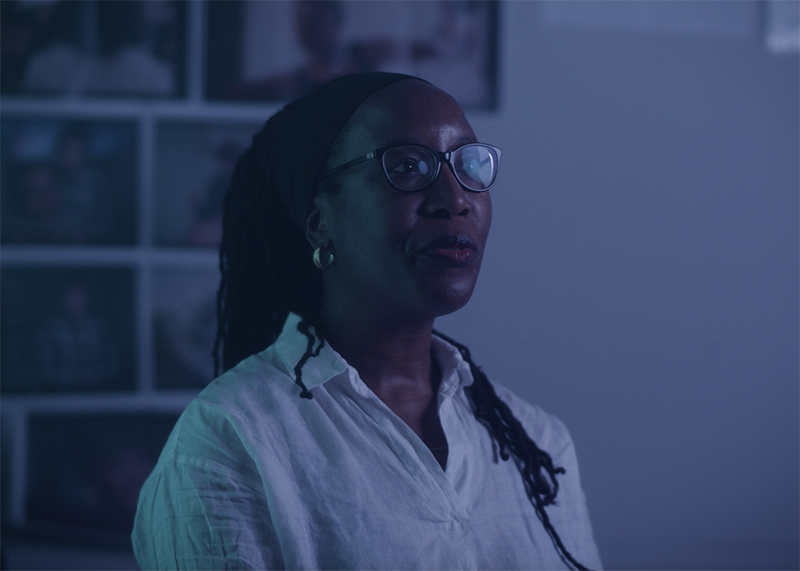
470	166
410	166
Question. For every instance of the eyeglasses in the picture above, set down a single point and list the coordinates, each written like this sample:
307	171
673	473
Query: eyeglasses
410	167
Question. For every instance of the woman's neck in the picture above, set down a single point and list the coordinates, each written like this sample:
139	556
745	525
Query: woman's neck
391	357
395	361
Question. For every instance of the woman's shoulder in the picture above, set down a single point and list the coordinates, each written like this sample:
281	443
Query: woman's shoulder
242	402
547	430
257	377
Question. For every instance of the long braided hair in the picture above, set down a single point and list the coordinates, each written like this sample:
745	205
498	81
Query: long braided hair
267	272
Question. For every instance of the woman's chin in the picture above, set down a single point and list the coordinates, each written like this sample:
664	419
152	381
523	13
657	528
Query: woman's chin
449	297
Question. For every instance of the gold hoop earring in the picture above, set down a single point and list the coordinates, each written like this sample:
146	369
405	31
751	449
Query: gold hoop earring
318	262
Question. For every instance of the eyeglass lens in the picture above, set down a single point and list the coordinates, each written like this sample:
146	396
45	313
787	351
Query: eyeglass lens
412	167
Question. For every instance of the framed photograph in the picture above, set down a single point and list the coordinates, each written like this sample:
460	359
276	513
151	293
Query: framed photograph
67	181
72	48
66	329
184	326
193	168
277	51
781	26
85	470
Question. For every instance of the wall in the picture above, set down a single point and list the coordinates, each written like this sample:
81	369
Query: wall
641	280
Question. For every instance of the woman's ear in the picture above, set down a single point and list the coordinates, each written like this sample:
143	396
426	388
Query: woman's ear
316	227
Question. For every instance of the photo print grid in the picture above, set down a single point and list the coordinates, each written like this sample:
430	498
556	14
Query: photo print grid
118	146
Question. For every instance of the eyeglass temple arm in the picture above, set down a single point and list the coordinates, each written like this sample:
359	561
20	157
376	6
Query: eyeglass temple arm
347	165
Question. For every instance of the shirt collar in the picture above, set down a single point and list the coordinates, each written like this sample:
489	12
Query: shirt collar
455	370
292	344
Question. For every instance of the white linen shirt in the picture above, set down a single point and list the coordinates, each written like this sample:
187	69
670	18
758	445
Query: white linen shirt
255	477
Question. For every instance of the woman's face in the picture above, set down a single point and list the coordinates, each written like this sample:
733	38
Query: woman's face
402	255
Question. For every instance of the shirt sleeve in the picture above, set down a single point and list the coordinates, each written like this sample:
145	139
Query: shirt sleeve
204	507
570	513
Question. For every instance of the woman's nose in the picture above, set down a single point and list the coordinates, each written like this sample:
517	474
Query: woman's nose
446	198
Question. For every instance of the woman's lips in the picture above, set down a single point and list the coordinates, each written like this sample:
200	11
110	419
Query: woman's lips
451	250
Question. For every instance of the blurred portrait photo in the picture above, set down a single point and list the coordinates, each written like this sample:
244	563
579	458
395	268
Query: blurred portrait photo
194	164
184	326
68	181
67	329
85	471
281	50
78	47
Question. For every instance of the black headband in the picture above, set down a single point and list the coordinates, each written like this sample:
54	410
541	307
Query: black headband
305	130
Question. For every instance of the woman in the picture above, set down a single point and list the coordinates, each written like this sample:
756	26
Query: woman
359	438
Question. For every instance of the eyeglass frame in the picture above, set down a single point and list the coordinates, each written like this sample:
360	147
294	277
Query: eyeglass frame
441	157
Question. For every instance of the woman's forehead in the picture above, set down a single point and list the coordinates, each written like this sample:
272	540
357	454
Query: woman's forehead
408	110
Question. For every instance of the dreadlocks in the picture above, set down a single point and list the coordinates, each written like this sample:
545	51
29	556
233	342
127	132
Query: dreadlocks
265	262
512	440
267	272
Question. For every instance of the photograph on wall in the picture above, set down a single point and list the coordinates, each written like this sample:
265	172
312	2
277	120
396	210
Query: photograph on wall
277	51
85	471
66	329
781	27
74	48
184	326
194	163
67	181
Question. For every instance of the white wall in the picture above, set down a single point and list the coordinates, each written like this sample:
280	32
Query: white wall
641	280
